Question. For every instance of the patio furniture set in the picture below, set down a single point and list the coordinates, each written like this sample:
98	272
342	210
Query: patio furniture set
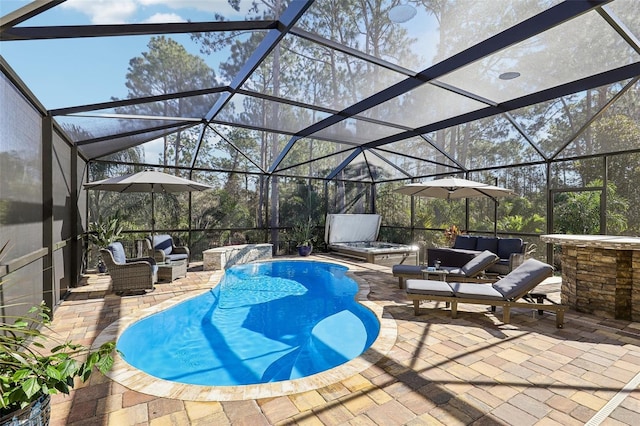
471	284
453	284
165	262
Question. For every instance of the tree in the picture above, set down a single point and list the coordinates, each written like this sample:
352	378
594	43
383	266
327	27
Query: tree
168	68
579	212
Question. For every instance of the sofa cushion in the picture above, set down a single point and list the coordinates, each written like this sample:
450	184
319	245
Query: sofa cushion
506	246
487	243
163	242
466	242
117	250
479	263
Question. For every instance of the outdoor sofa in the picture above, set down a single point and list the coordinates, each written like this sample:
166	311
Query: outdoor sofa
511	291
510	252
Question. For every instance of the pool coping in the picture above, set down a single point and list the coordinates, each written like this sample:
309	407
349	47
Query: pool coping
137	380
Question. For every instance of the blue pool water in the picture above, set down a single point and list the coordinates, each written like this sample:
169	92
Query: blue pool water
264	322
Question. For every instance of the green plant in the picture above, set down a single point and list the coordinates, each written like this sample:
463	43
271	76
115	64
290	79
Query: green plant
303	233
33	364
104	232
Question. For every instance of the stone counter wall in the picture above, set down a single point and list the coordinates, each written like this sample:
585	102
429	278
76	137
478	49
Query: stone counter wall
602	282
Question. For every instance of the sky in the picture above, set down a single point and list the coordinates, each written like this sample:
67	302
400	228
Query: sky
71	72
63	73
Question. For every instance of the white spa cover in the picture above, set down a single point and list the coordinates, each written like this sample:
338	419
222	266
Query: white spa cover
348	228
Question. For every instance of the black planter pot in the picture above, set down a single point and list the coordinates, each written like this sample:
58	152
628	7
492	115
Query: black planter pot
37	413
305	250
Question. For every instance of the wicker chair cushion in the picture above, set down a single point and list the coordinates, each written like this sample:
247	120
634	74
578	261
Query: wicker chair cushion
163	242
117	250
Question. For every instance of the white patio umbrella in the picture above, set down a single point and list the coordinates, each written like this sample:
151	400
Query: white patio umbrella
147	181
454	188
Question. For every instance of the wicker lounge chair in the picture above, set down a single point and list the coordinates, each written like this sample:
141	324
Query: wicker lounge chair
128	275
505	292
472	271
163	249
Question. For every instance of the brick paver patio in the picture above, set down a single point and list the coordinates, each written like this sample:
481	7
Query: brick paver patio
469	370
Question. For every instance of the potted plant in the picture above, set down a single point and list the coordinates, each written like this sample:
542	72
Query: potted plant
102	233
34	366
303	233
451	233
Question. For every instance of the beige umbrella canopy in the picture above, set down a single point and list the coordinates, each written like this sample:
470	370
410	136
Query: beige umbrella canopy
147	181
454	188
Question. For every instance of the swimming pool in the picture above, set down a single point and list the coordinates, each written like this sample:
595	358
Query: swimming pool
265	322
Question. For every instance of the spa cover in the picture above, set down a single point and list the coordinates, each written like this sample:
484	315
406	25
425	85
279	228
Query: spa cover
348	228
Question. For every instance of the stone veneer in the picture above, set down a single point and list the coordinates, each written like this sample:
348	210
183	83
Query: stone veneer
600	274
227	256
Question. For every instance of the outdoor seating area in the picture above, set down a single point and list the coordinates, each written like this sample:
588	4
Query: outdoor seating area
472	271
441	370
505	292
510	252
456	179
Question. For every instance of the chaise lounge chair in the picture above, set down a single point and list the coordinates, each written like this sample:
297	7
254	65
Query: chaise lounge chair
505	292
470	272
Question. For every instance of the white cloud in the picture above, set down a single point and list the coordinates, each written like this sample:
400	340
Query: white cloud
209	6
126	11
104	11
164	18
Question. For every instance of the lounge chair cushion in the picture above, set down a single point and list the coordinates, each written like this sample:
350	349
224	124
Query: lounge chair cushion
407	269
430	287
476	291
465	242
117	250
479	263
523	279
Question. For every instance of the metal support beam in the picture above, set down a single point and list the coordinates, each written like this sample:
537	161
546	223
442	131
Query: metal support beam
47	210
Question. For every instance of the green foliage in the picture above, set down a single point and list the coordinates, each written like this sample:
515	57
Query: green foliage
579	212
28	369
104	232
303	233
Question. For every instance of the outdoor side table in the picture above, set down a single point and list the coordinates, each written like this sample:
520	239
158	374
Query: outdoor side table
437	274
170	271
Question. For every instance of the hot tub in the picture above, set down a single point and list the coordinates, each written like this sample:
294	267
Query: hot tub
355	235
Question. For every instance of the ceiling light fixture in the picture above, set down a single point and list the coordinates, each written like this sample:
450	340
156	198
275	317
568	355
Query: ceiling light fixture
509	75
402	13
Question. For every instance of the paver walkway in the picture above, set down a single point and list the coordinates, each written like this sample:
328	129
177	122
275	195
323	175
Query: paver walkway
469	370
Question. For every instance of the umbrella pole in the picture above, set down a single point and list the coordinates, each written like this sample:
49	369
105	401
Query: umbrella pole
153	217
495	217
